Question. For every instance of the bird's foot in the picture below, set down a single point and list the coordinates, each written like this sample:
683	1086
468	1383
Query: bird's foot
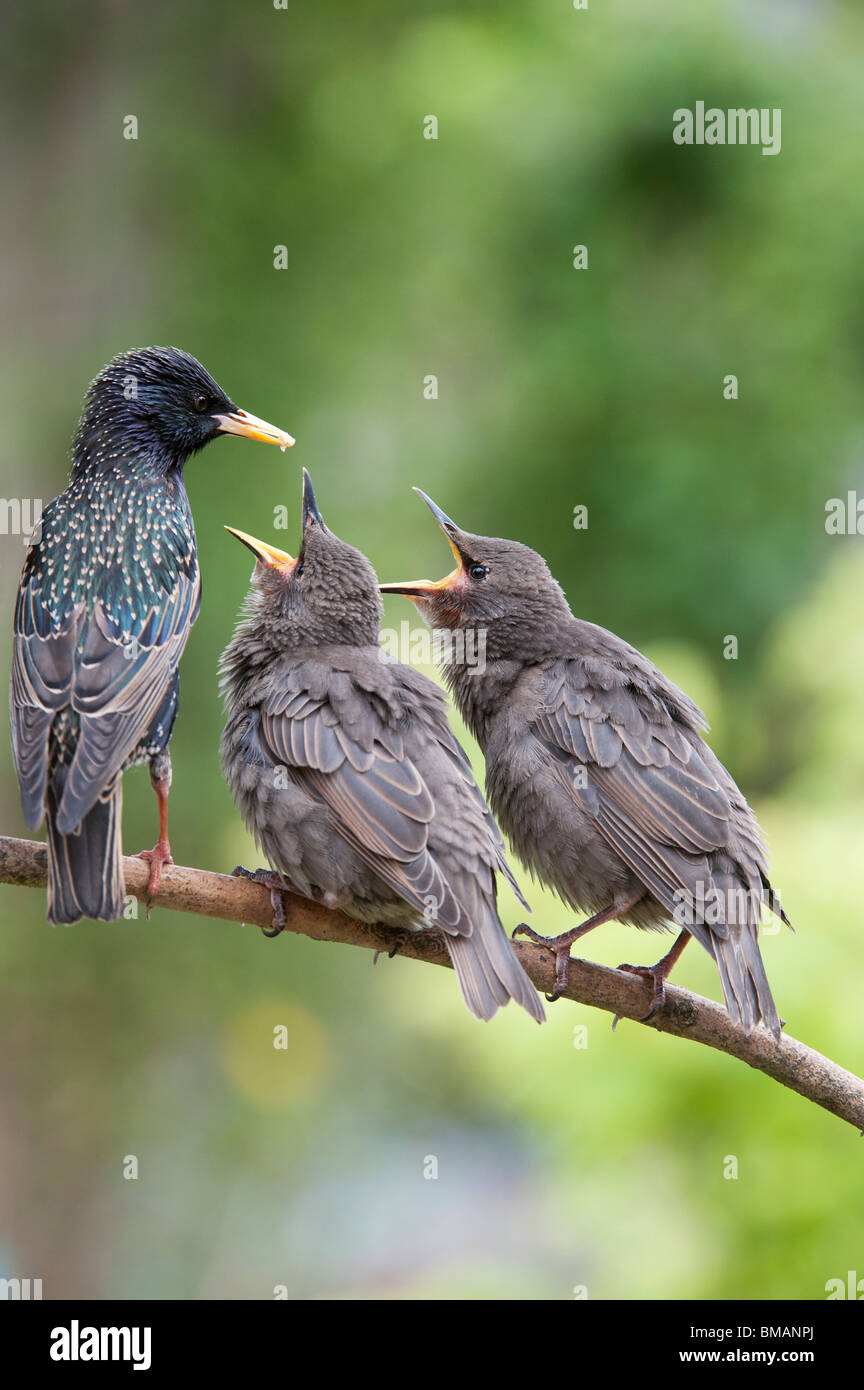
399	940
560	947
277	885
157	858
657	975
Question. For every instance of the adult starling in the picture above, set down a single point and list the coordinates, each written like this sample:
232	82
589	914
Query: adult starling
345	770
597	771
109	592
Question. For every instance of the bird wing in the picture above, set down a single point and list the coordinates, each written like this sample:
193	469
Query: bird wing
43	662
114	680
469	791
357	764
654	789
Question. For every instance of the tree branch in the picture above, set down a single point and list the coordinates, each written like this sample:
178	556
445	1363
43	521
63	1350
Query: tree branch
685	1015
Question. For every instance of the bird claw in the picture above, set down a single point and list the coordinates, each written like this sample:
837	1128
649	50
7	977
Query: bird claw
658	979
398	942
277	885
157	858
523	929
559	946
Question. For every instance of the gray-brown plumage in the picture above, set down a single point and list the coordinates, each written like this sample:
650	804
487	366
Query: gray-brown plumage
597	771
345	770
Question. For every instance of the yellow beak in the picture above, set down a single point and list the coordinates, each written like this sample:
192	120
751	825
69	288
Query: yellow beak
267	554
422	588
241	422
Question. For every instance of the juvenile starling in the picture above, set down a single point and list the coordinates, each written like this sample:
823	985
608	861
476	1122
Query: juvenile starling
597	771
109	592
345	770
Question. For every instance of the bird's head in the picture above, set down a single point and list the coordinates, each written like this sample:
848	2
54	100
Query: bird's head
161	405
326	595
499	588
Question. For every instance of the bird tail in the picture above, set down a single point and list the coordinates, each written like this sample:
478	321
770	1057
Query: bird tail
488	970
85	873
742	973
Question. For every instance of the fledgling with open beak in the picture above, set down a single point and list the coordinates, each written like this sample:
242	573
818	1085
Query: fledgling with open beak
108	596
344	767
597	771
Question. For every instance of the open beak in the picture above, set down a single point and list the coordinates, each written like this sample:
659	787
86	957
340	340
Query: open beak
422	588
425	588
268	554
310	506
240	422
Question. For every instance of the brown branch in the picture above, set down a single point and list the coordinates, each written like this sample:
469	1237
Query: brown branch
686	1015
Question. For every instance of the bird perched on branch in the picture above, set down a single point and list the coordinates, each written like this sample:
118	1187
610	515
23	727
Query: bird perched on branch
345	770
597	771
109	593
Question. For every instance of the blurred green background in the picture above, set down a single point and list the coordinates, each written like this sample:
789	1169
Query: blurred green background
558	1166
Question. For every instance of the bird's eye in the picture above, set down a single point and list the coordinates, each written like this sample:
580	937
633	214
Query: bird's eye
299	570
479	571
200	403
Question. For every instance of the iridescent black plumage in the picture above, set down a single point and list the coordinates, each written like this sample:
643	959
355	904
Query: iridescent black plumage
108	595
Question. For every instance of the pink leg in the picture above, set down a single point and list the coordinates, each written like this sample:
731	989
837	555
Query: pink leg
160	854
560	945
658	974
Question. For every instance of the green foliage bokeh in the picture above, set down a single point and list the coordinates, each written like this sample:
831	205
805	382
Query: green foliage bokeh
559	1166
